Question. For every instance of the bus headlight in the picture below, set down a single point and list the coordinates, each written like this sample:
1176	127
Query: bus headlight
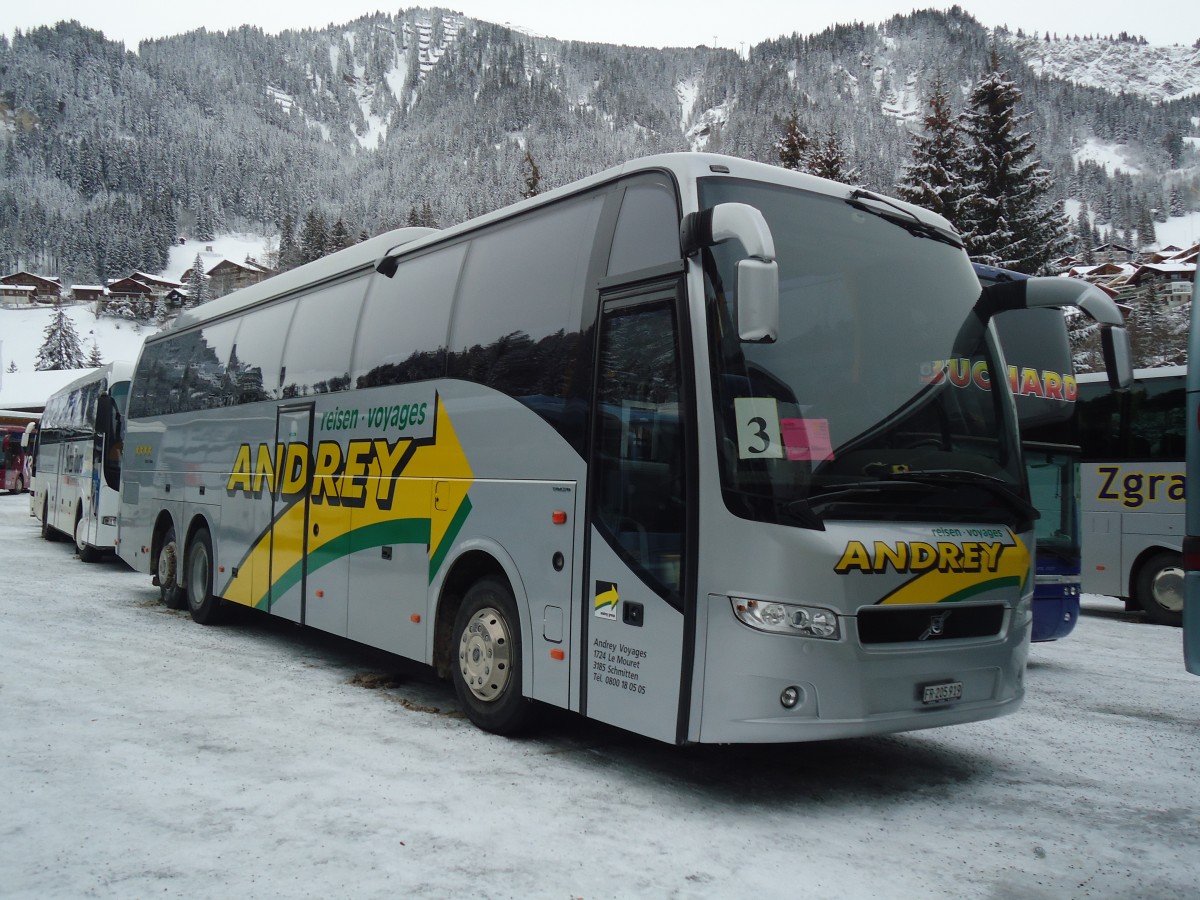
787	618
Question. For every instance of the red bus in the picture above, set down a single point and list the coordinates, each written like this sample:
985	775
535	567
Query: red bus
14	462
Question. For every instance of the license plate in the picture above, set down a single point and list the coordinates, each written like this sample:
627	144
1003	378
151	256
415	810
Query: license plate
942	693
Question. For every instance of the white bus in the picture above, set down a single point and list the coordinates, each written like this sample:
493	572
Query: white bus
702	448
1191	541
1133	487
76	468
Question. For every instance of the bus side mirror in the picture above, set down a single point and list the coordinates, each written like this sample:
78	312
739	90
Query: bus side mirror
1118	357
757	274
1043	293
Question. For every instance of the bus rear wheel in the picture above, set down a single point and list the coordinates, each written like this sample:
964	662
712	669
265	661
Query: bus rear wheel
202	604
1160	588
487	659
167	570
48	531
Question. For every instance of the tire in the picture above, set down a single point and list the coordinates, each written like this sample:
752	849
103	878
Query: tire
487	659
167	569
48	532
198	579
87	553
1160	588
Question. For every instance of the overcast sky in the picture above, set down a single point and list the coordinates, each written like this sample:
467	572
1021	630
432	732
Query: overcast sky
731	24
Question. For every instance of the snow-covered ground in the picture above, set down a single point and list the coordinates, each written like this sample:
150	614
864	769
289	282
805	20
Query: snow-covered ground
23	331
142	754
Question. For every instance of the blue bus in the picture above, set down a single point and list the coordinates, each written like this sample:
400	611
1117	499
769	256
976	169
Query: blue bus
1043	383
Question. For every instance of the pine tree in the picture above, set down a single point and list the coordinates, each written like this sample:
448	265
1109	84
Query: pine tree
61	348
289	250
793	147
199	291
314	237
427	218
1176	203
934	179
1005	215
827	159
339	237
205	221
94	358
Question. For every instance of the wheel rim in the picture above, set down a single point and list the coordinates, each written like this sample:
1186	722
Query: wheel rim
1167	588
484	654
198	576
80	543
166	565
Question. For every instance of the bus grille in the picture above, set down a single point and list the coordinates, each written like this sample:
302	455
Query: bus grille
880	625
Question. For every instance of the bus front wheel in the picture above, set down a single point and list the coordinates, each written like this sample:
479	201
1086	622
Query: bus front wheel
167	570
1160	588
487	658
204	607
87	553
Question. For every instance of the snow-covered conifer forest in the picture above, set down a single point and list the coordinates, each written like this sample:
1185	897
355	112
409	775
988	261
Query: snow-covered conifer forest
109	154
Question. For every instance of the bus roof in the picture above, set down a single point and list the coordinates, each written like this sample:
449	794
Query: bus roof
684	167
117	370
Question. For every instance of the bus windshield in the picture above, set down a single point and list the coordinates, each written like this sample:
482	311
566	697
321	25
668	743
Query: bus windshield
876	399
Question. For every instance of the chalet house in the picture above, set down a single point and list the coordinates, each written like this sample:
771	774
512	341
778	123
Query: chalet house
1102	272
1172	281
156	284
178	297
86	293
45	290
1163	253
1113	251
129	292
129	287
17	295
226	276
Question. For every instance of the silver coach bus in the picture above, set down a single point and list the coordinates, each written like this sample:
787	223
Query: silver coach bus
76	465
702	448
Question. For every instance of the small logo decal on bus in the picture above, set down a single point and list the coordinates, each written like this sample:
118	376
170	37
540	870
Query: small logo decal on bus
606	600
937	624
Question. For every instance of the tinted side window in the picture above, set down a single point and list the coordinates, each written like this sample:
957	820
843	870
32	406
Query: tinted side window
402	335
316	357
254	361
647	231
151	391
204	355
517	318
1148	422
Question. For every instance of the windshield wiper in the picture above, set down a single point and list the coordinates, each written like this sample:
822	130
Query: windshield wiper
907	219
922	481
860	491
952	478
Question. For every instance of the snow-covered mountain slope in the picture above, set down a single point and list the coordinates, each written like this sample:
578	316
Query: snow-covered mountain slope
1120	66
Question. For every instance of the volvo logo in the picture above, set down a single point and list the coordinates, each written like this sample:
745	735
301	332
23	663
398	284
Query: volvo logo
937	625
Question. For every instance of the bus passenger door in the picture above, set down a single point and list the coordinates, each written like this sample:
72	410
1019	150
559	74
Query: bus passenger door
634	620
290	516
